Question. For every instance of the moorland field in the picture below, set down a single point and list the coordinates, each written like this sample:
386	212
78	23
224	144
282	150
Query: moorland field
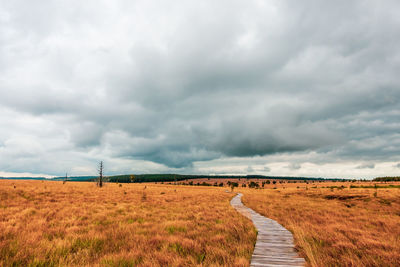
47	223
336	224
77	224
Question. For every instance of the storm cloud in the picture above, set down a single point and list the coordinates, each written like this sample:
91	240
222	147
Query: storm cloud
209	86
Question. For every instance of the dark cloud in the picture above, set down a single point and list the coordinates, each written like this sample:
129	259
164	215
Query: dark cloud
178	83
366	166
294	166
249	169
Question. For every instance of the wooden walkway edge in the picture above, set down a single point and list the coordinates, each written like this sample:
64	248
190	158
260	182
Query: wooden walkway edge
274	246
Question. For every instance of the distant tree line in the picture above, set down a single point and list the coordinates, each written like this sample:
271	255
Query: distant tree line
143	178
387	179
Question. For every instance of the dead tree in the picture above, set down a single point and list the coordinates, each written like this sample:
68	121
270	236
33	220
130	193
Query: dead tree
66	178
100	181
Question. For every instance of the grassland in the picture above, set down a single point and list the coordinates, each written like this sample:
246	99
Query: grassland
336	224
78	224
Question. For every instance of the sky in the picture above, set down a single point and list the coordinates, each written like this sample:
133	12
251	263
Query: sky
285	88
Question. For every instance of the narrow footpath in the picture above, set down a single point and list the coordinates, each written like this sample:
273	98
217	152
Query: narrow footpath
274	246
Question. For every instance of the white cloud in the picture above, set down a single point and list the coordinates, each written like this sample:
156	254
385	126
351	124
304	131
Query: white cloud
192	86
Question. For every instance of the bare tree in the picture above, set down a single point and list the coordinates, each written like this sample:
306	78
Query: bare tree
100	181
66	178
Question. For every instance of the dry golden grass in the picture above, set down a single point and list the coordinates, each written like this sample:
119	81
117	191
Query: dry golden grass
77	224
336	227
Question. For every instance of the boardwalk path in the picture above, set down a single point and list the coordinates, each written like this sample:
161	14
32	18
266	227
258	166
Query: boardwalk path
274	245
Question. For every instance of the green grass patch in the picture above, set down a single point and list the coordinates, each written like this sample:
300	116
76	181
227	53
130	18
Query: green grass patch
122	262
43	263
95	245
177	248
173	229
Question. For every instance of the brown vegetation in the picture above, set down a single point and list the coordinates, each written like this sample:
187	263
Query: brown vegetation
334	224
56	224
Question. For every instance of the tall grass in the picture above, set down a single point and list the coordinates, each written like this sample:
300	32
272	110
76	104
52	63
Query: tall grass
71	224
339	226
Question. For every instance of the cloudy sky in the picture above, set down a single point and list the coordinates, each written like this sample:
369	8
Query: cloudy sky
308	88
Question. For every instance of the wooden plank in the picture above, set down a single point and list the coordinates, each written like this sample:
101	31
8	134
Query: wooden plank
274	246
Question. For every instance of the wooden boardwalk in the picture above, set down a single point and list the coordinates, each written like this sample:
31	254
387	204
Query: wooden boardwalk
274	245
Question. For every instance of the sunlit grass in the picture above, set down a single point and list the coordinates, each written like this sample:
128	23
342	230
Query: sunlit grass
336	226
55	224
